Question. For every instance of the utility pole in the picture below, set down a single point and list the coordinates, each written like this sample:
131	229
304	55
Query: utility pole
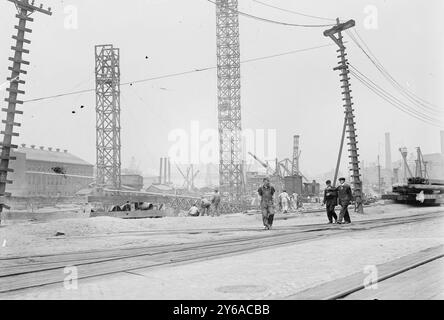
24	10
362	174
229	100
349	116
108	144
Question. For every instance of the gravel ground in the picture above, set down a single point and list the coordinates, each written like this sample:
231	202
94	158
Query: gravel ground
34	238
267	274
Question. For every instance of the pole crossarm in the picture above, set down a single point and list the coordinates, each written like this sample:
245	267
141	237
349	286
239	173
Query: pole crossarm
340	27
337	29
25	5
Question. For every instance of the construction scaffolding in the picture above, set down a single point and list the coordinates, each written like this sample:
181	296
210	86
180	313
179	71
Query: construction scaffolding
108	116
229	100
24	9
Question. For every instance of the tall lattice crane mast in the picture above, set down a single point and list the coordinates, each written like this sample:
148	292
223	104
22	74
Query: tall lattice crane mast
229	99
108	116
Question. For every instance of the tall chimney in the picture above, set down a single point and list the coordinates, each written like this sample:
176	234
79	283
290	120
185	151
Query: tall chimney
388	152
295	163
442	141
169	171
161	171
165	170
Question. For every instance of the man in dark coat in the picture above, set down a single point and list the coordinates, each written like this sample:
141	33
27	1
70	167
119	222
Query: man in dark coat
266	192
330	201
344	199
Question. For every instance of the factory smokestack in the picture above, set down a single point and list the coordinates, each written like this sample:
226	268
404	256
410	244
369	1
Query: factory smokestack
388	152
296	153
442	141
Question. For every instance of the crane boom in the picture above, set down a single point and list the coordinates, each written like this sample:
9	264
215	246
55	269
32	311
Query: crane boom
404	157
266	166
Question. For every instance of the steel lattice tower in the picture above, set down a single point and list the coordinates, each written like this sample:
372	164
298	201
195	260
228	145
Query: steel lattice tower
229	100
24	9
108	116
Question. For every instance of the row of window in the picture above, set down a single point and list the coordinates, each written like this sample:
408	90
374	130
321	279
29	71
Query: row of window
49	168
47	180
50	194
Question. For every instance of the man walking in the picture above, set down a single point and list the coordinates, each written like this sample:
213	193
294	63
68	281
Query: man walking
266	192
330	201
344	198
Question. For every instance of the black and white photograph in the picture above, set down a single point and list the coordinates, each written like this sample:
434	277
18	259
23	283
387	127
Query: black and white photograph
221	155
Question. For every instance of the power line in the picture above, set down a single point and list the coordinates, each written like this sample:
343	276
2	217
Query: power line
370	84
177	74
393	98
385	70
390	100
403	91
248	15
294	12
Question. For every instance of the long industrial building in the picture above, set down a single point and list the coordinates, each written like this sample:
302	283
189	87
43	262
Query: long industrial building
40	172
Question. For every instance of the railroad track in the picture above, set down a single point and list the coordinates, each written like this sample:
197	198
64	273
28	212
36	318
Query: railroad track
401	270
18	273
346	287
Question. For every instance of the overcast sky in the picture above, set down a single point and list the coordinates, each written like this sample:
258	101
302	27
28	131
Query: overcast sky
294	94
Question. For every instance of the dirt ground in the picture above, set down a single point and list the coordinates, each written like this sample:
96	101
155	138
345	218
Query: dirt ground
271	273
84	234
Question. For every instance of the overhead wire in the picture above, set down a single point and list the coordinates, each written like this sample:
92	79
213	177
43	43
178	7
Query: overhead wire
370	84
293	12
388	74
396	84
423	114
251	16
177	74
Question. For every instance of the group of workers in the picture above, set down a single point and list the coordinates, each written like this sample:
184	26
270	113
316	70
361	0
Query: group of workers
342	196
208	207
333	196
289	202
